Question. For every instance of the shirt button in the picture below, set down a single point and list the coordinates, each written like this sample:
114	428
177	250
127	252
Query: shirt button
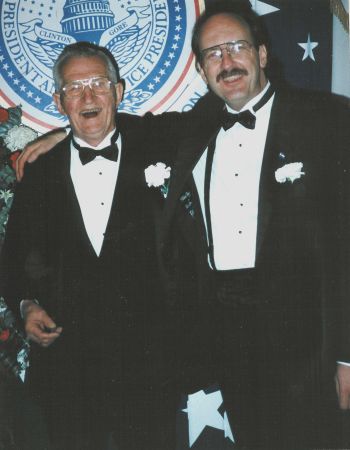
102	203
236	174
100	173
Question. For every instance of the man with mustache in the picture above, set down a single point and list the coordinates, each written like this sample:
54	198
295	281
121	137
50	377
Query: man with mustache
254	237
268	185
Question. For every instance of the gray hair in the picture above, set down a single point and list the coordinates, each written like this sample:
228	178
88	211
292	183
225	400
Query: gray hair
84	50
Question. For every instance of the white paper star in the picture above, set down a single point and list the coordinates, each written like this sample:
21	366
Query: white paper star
202	411
308	48
227	428
262	8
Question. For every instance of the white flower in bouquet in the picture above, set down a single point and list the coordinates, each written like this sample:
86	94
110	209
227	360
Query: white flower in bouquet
18	137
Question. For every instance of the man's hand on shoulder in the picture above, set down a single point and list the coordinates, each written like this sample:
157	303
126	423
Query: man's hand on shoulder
39	326
38	147
342	384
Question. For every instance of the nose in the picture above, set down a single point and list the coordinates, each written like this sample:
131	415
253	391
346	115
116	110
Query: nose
87	93
227	58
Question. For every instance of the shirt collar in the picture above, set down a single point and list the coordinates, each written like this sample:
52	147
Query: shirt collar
104	143
251	102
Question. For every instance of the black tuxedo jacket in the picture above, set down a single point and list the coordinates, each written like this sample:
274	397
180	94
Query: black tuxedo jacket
107	305
302	237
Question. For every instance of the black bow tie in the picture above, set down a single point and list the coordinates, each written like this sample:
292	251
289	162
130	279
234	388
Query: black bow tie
110	152
245	118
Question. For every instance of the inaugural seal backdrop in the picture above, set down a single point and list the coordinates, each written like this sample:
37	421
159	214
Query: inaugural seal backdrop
150	39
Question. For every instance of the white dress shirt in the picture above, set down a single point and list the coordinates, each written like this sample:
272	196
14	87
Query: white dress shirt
94	185
234	188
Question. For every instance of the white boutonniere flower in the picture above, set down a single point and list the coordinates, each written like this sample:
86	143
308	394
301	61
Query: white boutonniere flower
289	172
158	176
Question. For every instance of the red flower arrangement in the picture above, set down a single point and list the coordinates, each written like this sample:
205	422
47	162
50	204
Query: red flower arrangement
4	335
4	115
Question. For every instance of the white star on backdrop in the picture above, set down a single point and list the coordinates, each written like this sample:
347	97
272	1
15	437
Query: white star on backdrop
308	48
262	8
202	411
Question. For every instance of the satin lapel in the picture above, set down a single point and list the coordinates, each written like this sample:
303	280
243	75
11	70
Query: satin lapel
129	188
73	218
116	217
278	143
181	174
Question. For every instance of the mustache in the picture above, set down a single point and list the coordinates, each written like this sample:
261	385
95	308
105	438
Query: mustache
230	73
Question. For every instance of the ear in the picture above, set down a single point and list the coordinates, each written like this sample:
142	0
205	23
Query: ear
262	56
58	102
201	72
119	92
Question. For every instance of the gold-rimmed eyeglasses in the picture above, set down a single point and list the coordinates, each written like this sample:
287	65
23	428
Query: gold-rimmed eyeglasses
214	54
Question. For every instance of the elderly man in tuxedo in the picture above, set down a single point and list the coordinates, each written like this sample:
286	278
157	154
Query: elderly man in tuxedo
253	241
79	256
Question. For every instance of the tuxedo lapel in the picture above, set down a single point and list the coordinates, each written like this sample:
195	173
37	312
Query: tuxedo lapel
73	218
120	196
278	151
205	124
267	182
128	193
181	179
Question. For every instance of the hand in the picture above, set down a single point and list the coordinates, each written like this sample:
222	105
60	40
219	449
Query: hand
39	326
342	384
38	147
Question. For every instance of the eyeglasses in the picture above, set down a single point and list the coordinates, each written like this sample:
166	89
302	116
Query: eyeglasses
98	85
214	54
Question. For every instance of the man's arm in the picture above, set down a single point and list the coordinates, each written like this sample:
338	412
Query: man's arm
166	127
24	269
38	147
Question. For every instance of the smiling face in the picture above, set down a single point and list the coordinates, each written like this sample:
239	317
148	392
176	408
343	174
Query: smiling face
235	78
91	116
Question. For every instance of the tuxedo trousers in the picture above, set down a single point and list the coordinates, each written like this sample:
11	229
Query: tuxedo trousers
272	391
97	396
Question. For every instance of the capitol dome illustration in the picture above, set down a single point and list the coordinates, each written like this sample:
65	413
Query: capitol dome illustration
86	20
